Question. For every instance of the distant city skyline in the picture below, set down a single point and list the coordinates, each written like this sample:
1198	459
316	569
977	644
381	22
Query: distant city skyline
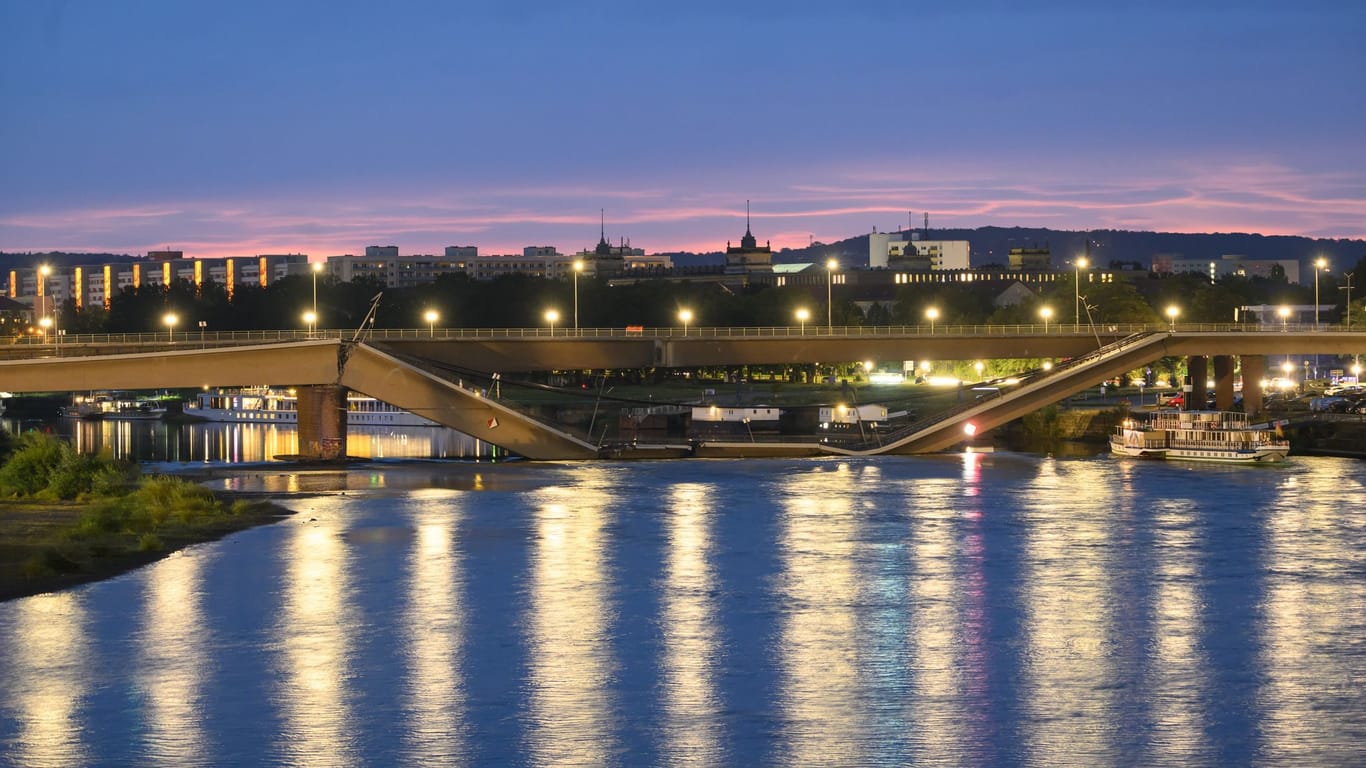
323	128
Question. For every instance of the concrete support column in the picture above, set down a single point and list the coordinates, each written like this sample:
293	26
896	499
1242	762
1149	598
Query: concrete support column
322	422
1223	382
1254	370
1198	368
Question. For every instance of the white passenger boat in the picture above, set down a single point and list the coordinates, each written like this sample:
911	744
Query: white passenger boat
281	406
1219	436
114	405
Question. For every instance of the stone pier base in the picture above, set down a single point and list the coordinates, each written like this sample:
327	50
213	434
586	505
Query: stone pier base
322	422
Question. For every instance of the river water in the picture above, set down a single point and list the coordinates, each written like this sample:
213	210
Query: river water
960	609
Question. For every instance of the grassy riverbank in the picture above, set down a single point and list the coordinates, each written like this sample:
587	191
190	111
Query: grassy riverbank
67	519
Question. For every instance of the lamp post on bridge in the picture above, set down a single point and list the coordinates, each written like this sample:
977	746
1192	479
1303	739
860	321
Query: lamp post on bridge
1078	265
685	316
431	317
1172	312
552	316
170	319
1320	265
802	316
1348	289
830	267
315	268
578	267
1045	313
932	314
310	319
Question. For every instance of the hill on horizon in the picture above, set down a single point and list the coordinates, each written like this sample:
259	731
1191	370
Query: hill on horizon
991	245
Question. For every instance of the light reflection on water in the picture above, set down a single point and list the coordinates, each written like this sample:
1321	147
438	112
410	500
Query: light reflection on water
691	646
246	443
1069	627
822	697
955	610
436	699
47	673
313	639
174	647
571	718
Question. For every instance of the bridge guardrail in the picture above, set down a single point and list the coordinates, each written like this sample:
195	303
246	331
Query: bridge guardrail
187	339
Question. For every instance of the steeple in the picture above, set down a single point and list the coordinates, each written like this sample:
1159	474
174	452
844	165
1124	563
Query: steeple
748	240
604	248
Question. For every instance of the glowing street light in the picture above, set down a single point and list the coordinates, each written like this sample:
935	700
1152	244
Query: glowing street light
1320	265
685	317
552	316
1078	265
979	366
315	267
830	267
46	324
170	319
932	314
802	317
310	319
1284	313
1045	313
578	267
431	317
1172	312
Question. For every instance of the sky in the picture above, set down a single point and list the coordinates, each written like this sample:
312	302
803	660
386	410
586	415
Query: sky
322	127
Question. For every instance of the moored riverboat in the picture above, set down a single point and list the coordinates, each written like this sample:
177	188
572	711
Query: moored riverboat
1218	436
281	406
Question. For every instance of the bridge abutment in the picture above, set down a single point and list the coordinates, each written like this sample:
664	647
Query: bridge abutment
322	422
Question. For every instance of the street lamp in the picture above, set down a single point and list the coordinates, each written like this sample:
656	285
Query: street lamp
1284	313
310	318
685	316
1045	313
1320	265
552	316
47	304
979	366
316	267
170	320
46	324
578	267
1172	312
830	267
1078	265
1348	289
431	317
932	314
802	317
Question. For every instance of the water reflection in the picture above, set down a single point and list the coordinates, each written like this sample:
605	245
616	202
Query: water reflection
571	663
47	671
1070	675
435	629
937	695
314	638
822	696
173	647
690	642
233	443
1313	621
1178	673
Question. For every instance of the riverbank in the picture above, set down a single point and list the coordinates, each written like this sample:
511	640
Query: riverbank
50	546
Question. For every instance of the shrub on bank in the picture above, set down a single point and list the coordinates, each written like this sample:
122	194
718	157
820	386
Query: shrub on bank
46	468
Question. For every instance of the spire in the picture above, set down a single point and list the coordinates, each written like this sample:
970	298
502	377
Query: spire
604	248
748	240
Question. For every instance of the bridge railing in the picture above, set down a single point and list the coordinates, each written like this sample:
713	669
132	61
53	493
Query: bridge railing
188	339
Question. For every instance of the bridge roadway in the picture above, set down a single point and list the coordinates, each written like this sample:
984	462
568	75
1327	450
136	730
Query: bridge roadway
397	366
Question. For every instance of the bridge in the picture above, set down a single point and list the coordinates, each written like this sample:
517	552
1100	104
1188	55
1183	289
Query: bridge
411	368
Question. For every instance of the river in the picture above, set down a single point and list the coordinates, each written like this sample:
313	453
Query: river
960	609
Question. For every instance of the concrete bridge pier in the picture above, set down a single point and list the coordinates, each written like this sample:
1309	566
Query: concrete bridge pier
1197	367
322	422
1254	370
1223	382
